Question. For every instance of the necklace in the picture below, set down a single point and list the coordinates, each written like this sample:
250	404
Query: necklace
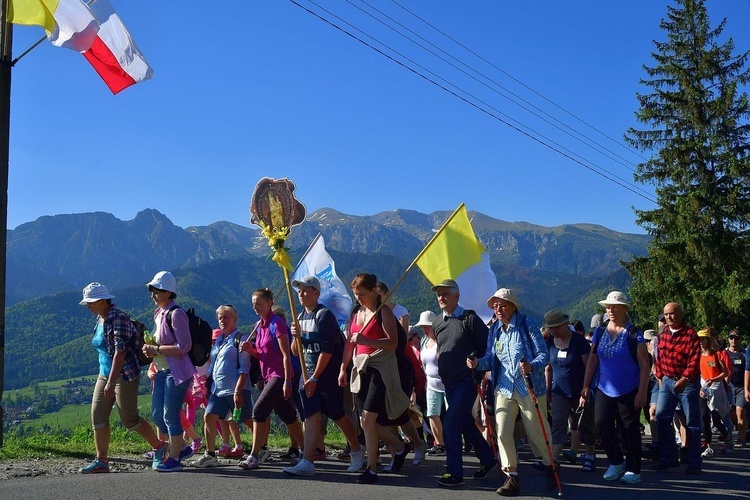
562	343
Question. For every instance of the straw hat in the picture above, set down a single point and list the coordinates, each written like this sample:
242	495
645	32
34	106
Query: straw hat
504	294
615	298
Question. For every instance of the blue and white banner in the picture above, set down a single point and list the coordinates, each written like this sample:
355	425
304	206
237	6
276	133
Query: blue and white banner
333	293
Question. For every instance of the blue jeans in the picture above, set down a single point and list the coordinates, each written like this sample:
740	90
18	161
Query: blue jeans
459	421
665	408
166	403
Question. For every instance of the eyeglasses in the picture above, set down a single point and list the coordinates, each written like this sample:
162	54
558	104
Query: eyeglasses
500	305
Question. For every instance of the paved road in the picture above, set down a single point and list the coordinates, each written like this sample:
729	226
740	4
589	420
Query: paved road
724	477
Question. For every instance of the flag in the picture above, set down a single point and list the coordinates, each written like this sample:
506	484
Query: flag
333	294
69	23
114	54
456	253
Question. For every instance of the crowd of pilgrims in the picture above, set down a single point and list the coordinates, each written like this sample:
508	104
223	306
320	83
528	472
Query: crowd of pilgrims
448	384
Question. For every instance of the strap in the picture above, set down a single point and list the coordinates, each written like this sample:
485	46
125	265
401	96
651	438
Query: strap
169	318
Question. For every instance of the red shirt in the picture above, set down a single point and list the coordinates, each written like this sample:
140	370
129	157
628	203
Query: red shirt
373	331
679	354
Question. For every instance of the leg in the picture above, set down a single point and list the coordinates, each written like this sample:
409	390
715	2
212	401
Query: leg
174	395
506	411
312	434
101	408
689	402
532	424
632	432
605	413
664	414
209	429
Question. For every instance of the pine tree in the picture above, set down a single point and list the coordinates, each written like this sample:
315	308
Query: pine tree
697	138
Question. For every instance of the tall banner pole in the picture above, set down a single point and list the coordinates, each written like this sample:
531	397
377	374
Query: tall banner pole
6	38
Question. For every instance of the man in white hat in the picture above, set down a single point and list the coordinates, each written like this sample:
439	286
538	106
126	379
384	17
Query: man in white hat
460	334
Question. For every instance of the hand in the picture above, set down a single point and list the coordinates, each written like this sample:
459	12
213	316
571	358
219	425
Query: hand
679	386
109	390
310	387
472	362
585	394
343	379
238	401
287	390
525	367
640	400
149	350
294	330
354	337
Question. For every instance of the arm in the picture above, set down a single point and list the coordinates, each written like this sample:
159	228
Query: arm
484	363
181	328
283	339
591	367
345	360
404	320
644	367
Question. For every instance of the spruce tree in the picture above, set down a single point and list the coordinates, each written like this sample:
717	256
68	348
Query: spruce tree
696	117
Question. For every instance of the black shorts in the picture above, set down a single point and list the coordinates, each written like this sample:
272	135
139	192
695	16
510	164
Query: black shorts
272	399
328	399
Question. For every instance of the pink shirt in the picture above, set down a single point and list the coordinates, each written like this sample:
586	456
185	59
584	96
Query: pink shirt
269	353
181	366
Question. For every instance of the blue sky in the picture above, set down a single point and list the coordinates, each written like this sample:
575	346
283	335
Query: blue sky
265	89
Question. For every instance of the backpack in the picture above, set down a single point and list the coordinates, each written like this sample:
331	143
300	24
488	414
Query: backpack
140	341
632	340
201	334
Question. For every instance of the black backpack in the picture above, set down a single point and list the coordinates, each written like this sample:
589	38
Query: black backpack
200	336
140	329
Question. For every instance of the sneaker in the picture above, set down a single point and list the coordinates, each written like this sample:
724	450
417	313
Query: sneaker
437	450
223	450
397	463
708	452
449	481
739	444
631	478
614	472
291	453
159	455
483	471
264	455
95	467
205	461
303	468
511	487
197	445
250	463
236	452
320	454
589	463
186	453
356	460
367	477
171	465
419	453
149	455
569	457
540	467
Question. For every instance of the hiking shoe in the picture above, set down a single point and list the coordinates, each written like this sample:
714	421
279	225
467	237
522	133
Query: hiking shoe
483	471
196	445
356	460
186	453
419	453
662	466
95	467
569	457
367	477
708	452
159	455
264	455
320	454
449	481
236	452
205	461
540	467
223	450
437	450
613	472
303	468
250	463
171	465
631	478
511	487
290	454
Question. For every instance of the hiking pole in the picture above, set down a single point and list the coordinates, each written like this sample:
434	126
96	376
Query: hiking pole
530	388
490	430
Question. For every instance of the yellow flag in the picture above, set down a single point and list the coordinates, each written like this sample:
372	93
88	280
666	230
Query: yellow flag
453	251
33	13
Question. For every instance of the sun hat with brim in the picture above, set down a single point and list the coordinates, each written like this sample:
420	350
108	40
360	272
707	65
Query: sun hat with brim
615	299
554	318
446	284
649	334
426	318
704	333
93	292
310	281
163	280
504	294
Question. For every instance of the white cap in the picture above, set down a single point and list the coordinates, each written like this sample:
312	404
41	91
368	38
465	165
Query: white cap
163	280
93	292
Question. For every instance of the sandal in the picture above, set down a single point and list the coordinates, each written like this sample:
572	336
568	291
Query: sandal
588	464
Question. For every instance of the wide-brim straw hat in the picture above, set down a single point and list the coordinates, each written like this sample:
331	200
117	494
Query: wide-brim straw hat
615	298
504	294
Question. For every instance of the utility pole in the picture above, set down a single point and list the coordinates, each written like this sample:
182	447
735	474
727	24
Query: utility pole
6	57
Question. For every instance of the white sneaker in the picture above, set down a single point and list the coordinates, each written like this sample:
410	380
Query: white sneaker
205	461
419	454
303	468
631	478
264	455
708	452
613	472
356	460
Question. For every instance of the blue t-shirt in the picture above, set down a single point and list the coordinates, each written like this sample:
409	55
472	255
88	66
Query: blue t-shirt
227	364
619	373
100	344
568	369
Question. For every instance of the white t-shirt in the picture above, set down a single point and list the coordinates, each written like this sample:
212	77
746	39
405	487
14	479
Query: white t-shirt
428	355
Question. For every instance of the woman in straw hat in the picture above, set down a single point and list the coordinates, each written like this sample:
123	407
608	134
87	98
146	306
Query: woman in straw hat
623	386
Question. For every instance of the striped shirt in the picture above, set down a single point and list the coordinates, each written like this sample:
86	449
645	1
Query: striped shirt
679	354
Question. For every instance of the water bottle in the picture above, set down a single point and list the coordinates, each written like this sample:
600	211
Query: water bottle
148	338
237	414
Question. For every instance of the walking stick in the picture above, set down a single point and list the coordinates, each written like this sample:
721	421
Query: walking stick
530	388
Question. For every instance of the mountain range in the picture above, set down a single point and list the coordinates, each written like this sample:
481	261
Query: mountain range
51	259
